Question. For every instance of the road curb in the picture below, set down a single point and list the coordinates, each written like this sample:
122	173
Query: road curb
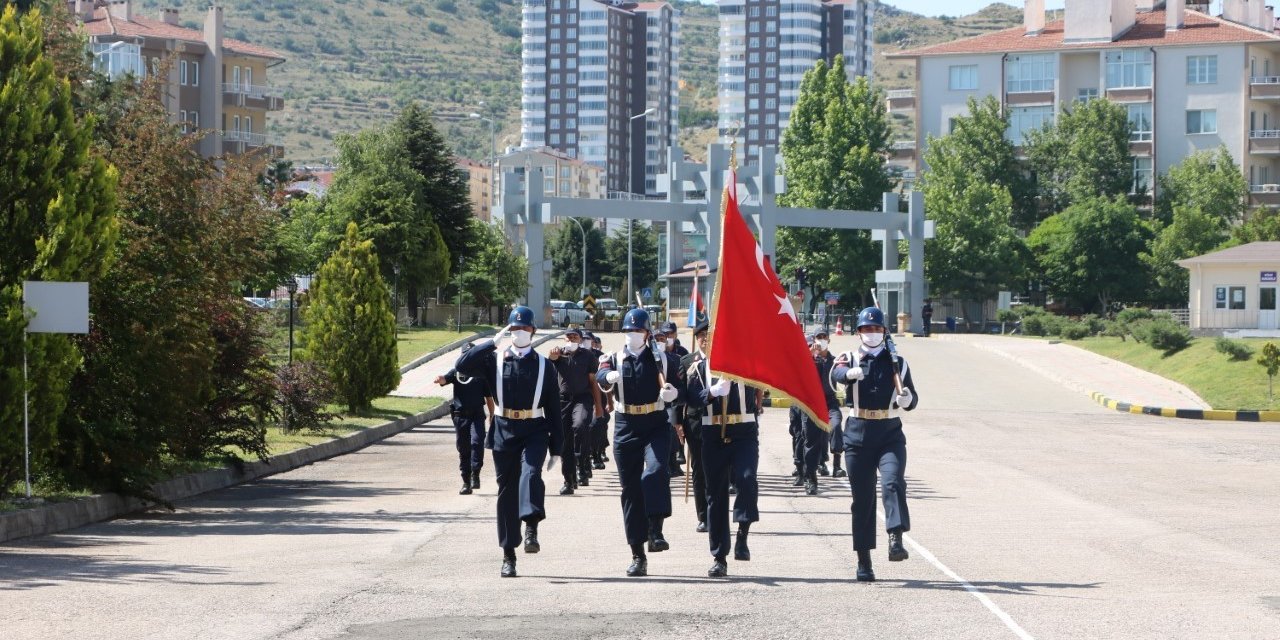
778	403
1188	414
421	360
77	513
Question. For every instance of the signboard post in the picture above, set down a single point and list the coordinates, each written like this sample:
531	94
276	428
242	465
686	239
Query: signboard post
54	307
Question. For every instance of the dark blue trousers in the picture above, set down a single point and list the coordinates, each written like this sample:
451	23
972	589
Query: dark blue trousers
575	455
814	443
520	488
469	430
738	458
871	446
641	448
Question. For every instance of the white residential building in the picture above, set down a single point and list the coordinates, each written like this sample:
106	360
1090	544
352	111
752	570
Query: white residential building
589	69
766	46
1190	81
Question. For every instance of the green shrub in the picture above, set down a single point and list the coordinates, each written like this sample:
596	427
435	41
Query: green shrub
302	393
447	6
1033	324
378	13
417	10
1074	330
1233	349
1168	335
1132	314
436	27
1096	324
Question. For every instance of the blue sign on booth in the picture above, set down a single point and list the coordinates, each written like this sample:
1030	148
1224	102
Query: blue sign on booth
1268	276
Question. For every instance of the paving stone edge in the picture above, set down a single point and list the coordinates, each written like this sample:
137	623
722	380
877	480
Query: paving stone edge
69	515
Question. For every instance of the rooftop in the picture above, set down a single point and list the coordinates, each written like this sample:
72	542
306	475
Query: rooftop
1148	31
104	24
1252	253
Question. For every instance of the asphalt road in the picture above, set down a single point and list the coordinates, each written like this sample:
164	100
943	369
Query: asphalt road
1036	513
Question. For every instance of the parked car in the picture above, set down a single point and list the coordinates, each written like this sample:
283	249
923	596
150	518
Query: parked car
610	308
565	312
258	303
655	311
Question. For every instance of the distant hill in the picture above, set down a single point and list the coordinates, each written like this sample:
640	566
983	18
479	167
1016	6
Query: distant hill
352	63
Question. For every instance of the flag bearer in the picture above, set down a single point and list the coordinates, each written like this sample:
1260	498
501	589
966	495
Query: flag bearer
877	386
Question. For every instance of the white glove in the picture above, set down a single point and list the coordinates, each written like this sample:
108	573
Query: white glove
904	399
612	377
551	462
720	389
668	393
854	373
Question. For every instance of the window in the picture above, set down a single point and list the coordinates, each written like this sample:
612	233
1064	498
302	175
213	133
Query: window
1202	121
549	185
248	124
194	117
1266	298
1139	122
964	77
1202	69
1234	298
235	76
195	74
182	117
1028	73
1141	176
182	72
235	126
1085	95
1025	119
1129	69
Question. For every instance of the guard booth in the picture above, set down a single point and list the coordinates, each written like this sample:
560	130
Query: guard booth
893	288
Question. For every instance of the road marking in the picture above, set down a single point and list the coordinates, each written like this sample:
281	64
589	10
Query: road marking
982	597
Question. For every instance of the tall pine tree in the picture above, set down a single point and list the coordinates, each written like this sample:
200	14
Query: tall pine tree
351	329
57	202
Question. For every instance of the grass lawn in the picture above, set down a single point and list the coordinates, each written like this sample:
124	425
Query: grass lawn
1222	382
413	341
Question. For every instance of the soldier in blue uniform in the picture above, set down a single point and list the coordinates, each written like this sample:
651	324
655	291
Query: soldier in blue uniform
470	397
691	421
816	440
730	449
641	437
600	424
579	403
822	342
665	336
525	389
795	428
877	385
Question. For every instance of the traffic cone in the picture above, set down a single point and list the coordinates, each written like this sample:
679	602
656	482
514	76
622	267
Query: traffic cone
839	325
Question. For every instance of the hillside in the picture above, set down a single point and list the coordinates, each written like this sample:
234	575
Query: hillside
353	63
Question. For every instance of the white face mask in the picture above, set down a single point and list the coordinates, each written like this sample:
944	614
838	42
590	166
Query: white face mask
872	340
521	338
668	345
570	347
822	344
635	340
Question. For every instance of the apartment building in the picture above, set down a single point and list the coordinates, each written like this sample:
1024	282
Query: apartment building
600	83
766	46
1189	81
563	176
213	82
479	177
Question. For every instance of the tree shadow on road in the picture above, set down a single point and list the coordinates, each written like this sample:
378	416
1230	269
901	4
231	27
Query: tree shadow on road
21	571
768	581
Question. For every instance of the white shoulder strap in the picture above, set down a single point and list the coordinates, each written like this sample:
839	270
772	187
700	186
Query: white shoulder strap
537	388
499	356
618	359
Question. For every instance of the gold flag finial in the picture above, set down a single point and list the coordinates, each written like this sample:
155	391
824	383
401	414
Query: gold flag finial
733	146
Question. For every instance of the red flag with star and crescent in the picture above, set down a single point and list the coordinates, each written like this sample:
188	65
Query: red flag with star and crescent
756	337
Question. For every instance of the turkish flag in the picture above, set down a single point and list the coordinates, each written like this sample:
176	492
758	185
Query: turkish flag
756	337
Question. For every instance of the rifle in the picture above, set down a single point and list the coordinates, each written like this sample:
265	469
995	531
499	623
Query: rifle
893	349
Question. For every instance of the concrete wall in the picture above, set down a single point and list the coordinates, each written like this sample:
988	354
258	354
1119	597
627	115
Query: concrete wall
1174	97
938	103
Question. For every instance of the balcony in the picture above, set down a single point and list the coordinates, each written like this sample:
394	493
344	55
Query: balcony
239	142
1264	88
901	100
1028	98
1264	141
902	150
252	96
1129	94
1264	195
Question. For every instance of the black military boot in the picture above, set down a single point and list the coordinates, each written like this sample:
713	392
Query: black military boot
466	485
702	526
639	563
566	489
811	485
897	552
823	470
740	550
799	481
836	470
584	478
795	473
865	574
719	568
531	538
475	480
509	563
656	541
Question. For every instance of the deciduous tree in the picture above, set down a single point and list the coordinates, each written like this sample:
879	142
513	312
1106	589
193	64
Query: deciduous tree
1084	154
1091	252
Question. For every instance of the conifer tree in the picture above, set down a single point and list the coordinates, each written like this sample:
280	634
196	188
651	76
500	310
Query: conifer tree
350	327
57	202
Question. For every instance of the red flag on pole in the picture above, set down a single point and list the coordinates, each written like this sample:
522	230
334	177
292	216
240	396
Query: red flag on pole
756	337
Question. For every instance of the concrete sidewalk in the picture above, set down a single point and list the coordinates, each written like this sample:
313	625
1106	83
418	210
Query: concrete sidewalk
420	382
1085	371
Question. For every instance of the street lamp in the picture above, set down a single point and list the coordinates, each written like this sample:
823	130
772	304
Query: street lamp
395	310
631	285
493	153
459	293
584	255
292	285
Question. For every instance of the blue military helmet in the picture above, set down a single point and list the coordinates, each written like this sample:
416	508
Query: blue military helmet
871	317
636	320
521	316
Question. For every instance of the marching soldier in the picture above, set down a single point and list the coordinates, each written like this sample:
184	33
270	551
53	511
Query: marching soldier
526	426
796	424
730	448
825	360
665	336
470	397
641	437
877	384
579	403
600	424
691	420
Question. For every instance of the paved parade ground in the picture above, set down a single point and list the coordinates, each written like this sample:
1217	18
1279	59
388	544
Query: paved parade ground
1036	513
